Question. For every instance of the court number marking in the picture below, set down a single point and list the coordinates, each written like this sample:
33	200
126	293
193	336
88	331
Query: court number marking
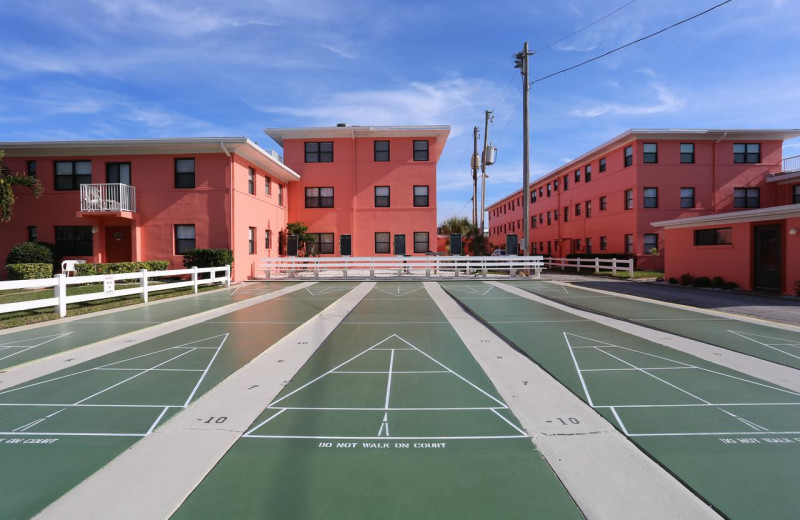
567	421
215	420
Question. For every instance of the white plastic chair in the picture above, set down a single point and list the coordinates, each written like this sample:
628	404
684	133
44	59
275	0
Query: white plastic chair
68	266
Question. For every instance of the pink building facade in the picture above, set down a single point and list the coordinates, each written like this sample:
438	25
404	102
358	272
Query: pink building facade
604	201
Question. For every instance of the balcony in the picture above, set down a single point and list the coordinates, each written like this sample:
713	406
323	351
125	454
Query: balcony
107	198
791	164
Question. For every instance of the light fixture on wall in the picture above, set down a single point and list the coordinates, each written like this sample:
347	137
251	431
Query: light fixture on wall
95	229
793	231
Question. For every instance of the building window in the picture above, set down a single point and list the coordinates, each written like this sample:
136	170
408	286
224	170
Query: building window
555	215
746	197
687	153
629	244
796	194
251	240
541	218
650	153
533	196
713	237
650	243
319	197
746	153
578	175
421	150
588	208
382	244
118	173
628	199
267	239
74	240
548	189
251	181
322	244
382	196
628	160
588	246
651	197
588	170
420	196
541	192
549	217
603	203
578	209
603	243
381	151
184	238
577	244
71	174
687	197
566	213
602	164
33	234
319	152
267	186
566	182
555	185
184	173
421	242
31	167
280	194
533	221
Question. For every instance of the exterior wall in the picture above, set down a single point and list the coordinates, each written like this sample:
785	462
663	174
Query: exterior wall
353	174
713	175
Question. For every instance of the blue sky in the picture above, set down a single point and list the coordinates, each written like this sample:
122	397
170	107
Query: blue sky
103	69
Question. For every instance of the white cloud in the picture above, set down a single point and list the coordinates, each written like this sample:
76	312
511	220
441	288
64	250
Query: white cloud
667	102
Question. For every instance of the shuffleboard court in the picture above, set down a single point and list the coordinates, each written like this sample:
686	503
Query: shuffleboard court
762	341
31	344
390	418
57	430
731	438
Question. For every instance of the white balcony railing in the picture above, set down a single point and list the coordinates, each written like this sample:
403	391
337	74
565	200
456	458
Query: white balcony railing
107	197
791	164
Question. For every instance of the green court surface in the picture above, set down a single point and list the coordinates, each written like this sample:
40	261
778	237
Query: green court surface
390	418
733	439
57	430
31	344
761	341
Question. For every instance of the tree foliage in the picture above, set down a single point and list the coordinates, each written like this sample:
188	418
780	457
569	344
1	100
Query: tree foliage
299	229
476	242
7	181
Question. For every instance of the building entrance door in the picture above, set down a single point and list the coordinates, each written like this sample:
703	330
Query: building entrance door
118	244
399	244
345	245
767	261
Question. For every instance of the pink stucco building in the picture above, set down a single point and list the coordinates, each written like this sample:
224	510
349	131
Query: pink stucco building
605	200
151	199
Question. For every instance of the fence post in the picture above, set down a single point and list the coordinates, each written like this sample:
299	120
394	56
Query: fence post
596	265
562	261
578	263
630	268
371	268
60	290
228	275
143	285
194	278
614	266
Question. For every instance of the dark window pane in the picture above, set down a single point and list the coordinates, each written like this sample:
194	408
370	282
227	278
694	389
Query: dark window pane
74	240
381	151
420	150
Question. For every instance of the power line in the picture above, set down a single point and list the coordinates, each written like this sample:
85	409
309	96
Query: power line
462	209
585	27
630	43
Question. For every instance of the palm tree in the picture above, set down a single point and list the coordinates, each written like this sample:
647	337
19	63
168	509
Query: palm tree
476	242
7	181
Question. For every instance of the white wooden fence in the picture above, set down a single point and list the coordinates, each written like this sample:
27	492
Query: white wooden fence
427	266
59	283
606	264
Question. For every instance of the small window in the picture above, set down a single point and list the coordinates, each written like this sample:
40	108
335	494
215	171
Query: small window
555	215
71	174
603	243
533	196
549	218
577	244
118	173
687	197
566	213
319	197
382	196
566	182
628	199
588	208
421	150
533	221
421	242
33	234
713	237
251	181
588	246
541	218
319	152
578	209
687	153
280	194
267	186
267	239
602	165
749	153
651	197
321	243
421	196
650	243
381	151
603	203
629	244
184	238
796	194
31	167
650	153
628	159
746	197
251	240
578	175
555	185
382	243
184	173
74	240
548	189
588	171
541	192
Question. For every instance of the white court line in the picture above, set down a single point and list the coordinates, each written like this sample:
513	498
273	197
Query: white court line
692	405
621	424
509	422
383	409
632	369
541	321
154	370
259	425
711	434
189	399
578	370
394	372
73	434
391	349
90	405
155	423
234	291
772	346
335	438
25	348
377	288
389	382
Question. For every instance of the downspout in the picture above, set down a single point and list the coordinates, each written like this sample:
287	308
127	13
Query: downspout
353	218
230	157
714	173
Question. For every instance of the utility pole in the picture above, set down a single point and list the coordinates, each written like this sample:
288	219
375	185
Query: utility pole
474	165
484	160
521	62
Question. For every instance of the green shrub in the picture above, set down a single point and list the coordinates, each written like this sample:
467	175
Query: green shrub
729	286
702	281
207	257
717	282
673	281
29	271
31	253
686	279
120	267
